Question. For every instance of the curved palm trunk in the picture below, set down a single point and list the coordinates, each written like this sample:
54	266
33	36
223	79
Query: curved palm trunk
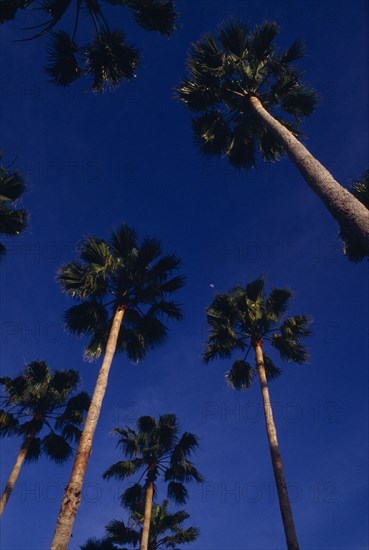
72	493
147	516
15	472
344	207
284	503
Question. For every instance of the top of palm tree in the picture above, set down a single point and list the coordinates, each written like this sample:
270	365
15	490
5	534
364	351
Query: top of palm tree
108	58
224	71
162	521
154	449
351	246
12	220
122	273
244	317
37	400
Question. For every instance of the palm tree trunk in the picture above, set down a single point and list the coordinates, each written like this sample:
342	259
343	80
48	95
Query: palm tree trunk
15	472
284	502
147	516
350	213
72	493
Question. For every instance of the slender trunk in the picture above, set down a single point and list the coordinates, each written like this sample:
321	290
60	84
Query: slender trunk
147	516
349	212
284	503
72	493
15	472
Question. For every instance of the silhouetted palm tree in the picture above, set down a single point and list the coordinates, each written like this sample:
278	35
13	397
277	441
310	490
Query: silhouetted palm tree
154	449
37	401
239	86
246	319
12	220
162	521
108	58
351	245
123	290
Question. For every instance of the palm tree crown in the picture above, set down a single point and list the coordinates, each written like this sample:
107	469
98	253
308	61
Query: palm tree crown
227	70
352	246
37	400
245	317
162	521
108	58
12	220
155	449
121	273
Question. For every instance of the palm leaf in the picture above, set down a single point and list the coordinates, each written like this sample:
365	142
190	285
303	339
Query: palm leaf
56	448
63	67
110	60
89	317
155	15
233	37
240	376
177	492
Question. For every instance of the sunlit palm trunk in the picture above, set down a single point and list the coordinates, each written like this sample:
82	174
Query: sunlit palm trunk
147	516
72	493
15	472
344	207
284	503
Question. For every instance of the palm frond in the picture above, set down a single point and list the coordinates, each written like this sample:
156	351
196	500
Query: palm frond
89	317
122	534
56	448
290	349
110	60
295	51
277	303
63	67
233	36
211	133
177	492
123	469
240	376
34	450
155	15
271	370
262	39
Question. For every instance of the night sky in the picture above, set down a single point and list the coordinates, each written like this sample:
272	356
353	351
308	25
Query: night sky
93	162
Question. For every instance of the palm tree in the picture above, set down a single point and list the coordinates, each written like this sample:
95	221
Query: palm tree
108	58
238	87
351	245
162	521
245	319
154	449
12	220
40	401
114	280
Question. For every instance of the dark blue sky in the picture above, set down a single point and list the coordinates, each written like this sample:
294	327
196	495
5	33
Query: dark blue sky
96	161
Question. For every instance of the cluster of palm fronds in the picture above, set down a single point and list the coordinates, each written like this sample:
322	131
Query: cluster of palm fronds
108	58
12	220
225	70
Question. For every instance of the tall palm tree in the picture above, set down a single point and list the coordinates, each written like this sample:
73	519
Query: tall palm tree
108	58
154	449
42	408
239	85
162	521
12	220
351	245
123	289
245	319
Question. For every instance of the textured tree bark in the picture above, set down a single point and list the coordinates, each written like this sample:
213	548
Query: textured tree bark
15	472
284	502
147	516
349	212
72	493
